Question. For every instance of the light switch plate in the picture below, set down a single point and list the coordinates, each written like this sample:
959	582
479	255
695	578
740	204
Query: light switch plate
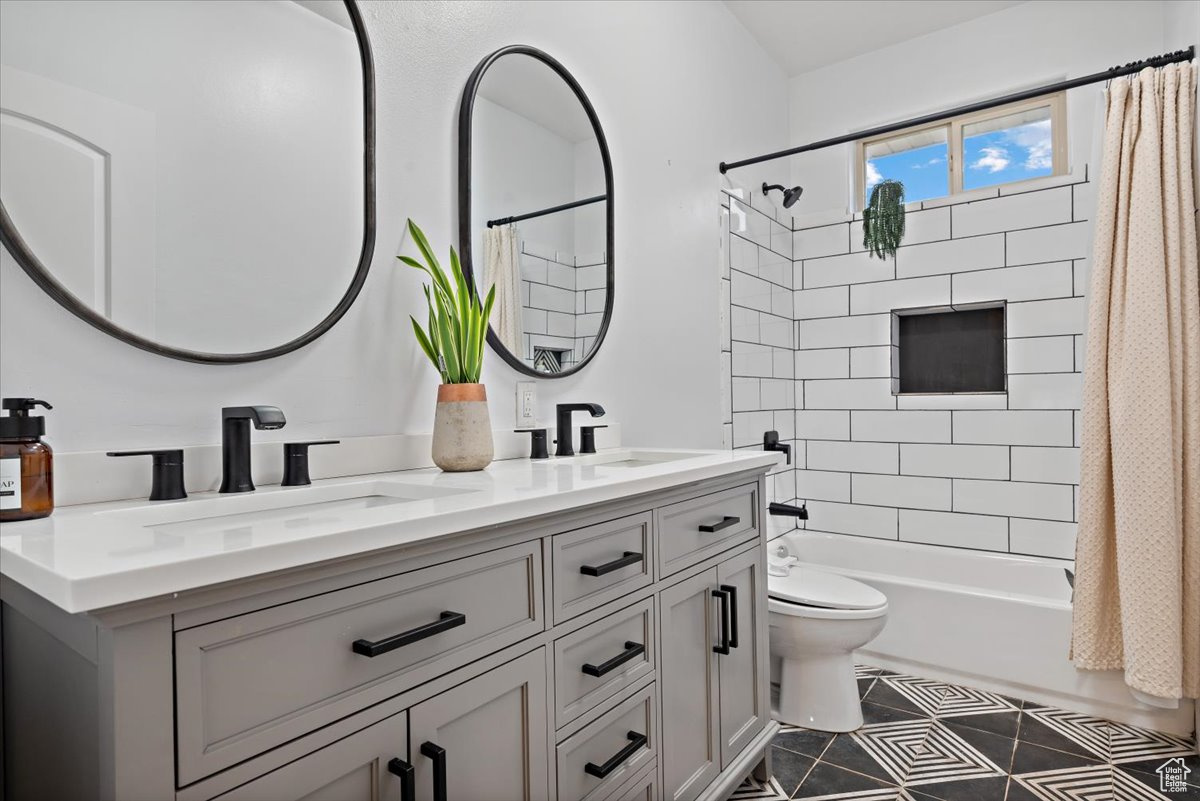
526	404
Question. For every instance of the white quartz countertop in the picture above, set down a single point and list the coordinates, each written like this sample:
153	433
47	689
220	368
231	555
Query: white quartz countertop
99	555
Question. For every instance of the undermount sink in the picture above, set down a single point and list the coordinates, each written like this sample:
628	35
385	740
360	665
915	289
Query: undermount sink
623	458
293	507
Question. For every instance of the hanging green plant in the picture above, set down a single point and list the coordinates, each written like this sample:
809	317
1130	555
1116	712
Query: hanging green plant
883	219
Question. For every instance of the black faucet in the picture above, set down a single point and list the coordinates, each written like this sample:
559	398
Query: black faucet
565	445
771	443
235	442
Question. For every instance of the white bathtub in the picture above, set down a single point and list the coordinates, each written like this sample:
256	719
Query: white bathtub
993	621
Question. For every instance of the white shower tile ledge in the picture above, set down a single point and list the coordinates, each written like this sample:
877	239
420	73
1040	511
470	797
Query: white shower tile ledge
99	555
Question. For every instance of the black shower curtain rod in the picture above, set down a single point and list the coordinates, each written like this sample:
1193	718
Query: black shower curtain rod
543	212
983	105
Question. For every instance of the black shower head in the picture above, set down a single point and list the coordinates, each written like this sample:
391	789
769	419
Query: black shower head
790	196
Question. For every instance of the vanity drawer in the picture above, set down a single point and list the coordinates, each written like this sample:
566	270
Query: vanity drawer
629	730
695	529
600	563
251	682
619	647
643	787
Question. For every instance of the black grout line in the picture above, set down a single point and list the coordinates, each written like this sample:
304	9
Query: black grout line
767	281
902	248
919	394
1072	296
949	202
759	245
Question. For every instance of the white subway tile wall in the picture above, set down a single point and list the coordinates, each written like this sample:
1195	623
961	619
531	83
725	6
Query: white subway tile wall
759	350
995	472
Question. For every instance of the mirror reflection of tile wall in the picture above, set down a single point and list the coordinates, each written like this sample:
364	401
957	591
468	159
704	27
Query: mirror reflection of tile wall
562	300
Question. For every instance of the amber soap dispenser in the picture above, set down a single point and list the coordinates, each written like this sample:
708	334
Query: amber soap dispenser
26	463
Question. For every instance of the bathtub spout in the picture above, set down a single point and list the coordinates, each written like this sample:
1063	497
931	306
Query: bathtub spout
787	510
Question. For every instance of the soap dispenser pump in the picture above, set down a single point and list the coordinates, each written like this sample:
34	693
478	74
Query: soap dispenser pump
26	463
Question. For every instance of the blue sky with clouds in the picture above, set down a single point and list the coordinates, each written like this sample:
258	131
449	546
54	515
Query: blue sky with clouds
991	158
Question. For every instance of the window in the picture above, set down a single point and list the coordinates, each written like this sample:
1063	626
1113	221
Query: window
998	146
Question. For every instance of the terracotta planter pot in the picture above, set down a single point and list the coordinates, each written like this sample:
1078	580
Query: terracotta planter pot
462	429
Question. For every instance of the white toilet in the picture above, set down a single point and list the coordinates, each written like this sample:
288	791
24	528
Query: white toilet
817	620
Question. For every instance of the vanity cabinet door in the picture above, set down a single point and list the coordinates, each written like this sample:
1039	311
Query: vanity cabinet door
352	769
745	698
689	629
490	736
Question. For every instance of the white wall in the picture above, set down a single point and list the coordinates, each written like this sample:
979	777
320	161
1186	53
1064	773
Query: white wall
1018	48
678	87
520	166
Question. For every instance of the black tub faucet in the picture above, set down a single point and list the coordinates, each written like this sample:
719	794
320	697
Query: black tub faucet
235	442
566	447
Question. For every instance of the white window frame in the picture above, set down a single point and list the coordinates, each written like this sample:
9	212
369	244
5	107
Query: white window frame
954	128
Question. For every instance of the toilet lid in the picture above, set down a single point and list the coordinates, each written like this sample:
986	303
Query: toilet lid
803	585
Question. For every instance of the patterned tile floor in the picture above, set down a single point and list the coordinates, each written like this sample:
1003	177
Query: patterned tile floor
924	740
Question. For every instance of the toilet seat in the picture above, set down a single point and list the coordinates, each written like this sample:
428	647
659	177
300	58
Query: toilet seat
806	592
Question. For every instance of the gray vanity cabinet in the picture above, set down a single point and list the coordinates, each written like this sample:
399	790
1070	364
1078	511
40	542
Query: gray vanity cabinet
744	671
691	699
716	703
352	769
611	652
492	735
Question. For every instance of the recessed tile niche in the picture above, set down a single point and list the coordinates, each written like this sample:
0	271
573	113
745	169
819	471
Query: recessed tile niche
948	350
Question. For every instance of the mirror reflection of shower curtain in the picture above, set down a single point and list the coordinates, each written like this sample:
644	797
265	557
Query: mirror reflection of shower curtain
502	269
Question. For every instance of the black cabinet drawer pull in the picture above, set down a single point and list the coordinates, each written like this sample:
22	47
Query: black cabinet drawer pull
630	558
726	522
447	621
636	741
733	620
723	624
408	782
438	755
632	649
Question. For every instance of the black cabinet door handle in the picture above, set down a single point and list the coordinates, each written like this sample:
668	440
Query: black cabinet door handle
726	522
723	597
636	741
447	621
408	782
733	620
632	649
438	755
630	558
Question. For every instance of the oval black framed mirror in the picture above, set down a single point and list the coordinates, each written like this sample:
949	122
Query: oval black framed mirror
195	179
535	210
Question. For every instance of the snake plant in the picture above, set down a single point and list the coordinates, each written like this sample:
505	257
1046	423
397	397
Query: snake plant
458	320
883	219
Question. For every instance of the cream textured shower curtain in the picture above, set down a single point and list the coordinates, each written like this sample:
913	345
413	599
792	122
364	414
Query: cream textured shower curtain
1137	590
502	268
